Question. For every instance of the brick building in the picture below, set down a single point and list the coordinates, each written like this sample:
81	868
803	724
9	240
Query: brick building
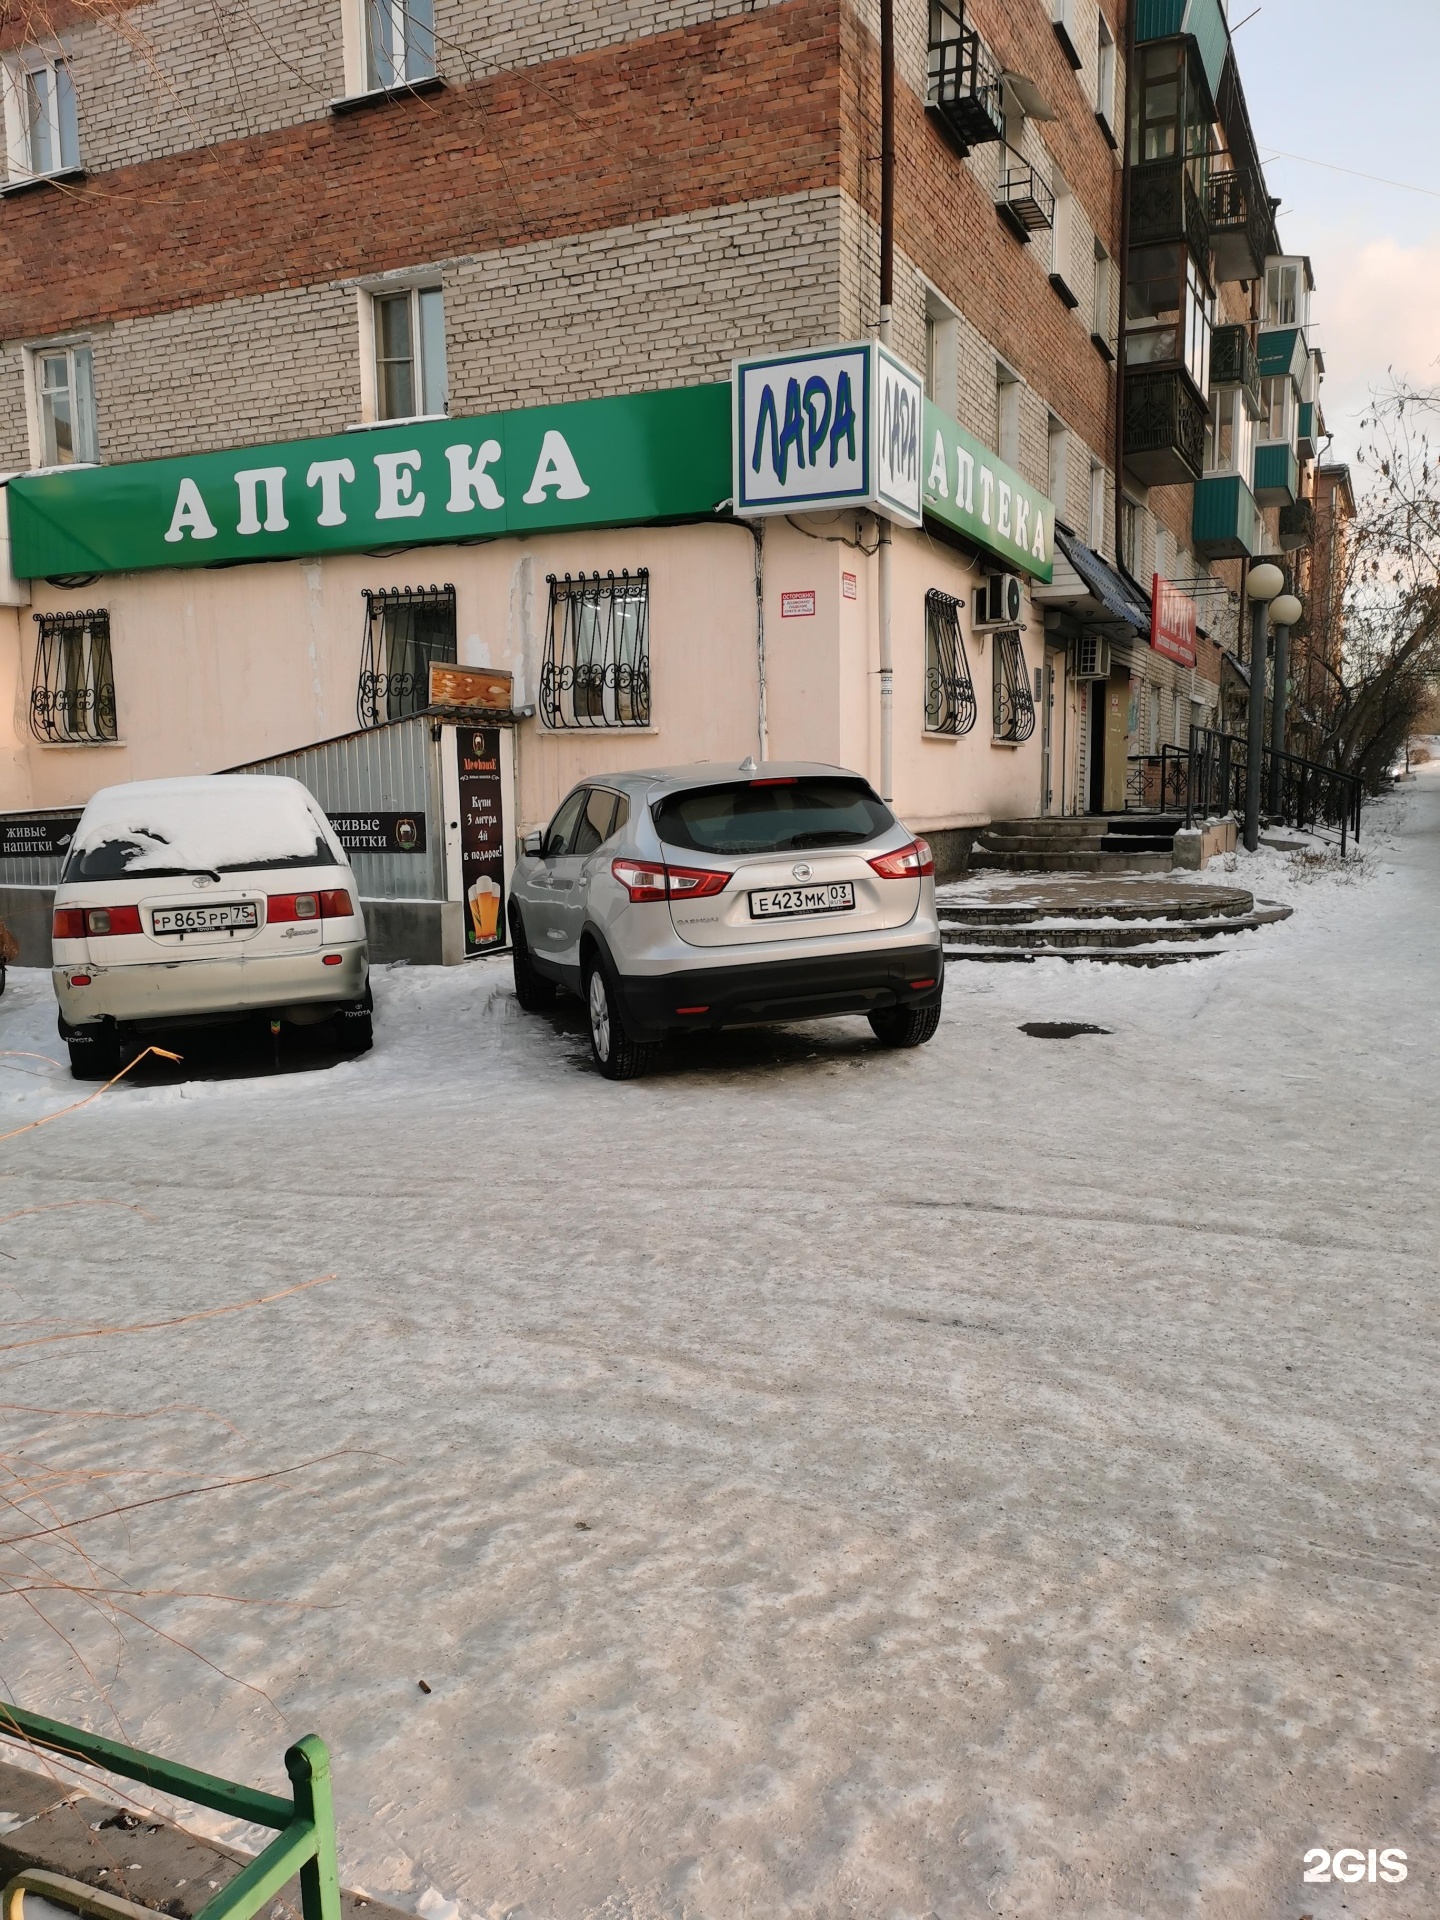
250	227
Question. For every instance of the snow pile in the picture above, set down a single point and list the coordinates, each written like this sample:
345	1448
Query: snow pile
221	821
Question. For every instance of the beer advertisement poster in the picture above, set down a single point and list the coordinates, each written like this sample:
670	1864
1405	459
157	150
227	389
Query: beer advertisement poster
482	837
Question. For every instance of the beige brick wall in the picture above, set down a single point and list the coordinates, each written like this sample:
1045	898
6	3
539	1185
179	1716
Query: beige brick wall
174	75
662	304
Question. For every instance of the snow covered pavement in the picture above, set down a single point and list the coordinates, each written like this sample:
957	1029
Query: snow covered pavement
813	1481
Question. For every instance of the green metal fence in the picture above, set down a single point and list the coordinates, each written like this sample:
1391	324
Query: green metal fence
305	1824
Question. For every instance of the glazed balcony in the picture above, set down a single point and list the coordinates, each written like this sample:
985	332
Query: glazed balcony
1239	225
964	90
1164	427
1277	474
1311	431
1225	524
1297	526
1234	363
1165	206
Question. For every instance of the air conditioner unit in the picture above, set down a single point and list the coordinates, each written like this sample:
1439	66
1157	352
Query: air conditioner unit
1092	657
999	601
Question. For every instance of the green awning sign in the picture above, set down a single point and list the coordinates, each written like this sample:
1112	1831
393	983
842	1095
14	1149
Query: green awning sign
968	489
594	463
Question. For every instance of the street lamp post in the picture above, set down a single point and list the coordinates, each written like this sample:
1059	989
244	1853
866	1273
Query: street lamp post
1262	585
1285	610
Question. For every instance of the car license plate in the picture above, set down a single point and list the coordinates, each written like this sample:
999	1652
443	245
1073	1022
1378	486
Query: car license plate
222	919
776	902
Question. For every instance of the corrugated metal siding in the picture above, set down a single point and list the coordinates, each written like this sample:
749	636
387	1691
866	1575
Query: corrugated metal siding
394	768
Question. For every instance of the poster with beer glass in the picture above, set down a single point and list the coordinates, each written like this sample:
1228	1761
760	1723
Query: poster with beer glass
482	837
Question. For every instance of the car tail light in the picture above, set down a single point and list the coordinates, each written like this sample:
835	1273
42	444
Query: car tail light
906	863
335	904
643	880
79	979
778	780
100	920
333	959
68	924
293	906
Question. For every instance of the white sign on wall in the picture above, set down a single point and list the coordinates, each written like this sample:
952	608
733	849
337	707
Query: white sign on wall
835	428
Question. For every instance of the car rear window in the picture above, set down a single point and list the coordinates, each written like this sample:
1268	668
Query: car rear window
782	816
218	831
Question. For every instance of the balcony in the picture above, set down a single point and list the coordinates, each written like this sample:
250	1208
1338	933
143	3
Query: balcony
1297	525
964	92
1312	430
1164	427
1239	228
1277	474
1226	521
1283	350
1025	203
1165	206
1233	363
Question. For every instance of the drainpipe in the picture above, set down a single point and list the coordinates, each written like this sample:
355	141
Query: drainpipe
762	717
1124	274
887	298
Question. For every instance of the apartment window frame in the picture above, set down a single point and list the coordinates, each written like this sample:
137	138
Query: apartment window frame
950	704
1007	414
1102	326
1105	64
1230	434
1012	703
72	684
405	631
1286	294
42	123
399	42
595	675
422	351
1057	464
1277	409
1169	312
1095	520
55	396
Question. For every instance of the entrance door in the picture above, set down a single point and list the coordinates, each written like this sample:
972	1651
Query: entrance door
1095	798
1047	731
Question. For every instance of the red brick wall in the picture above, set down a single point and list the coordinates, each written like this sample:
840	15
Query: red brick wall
740	109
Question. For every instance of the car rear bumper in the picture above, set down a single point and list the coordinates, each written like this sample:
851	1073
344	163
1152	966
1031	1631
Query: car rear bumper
808	988
159	991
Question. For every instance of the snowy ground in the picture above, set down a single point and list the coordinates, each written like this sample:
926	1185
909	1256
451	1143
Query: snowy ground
812	1481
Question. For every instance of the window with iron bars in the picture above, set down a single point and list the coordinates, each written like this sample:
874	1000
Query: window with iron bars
72	693
1014	703
949	690
597	651
405	629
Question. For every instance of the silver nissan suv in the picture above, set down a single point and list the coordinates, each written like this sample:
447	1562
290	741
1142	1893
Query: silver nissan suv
679	898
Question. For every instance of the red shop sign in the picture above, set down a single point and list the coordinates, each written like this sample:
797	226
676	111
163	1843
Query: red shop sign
1173	617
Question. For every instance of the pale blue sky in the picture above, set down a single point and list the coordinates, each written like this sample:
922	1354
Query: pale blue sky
1357	86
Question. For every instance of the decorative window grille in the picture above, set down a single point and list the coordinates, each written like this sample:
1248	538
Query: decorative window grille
597	651
949	690
1014	705
405	629
72	694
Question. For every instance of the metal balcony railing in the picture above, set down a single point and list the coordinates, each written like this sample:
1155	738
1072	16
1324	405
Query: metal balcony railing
1239	228
1024	202
1164	427
1234	363
1164	205
1297	525
964	90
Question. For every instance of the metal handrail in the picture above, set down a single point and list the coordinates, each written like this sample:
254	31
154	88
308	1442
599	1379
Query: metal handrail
305	1824
1311	795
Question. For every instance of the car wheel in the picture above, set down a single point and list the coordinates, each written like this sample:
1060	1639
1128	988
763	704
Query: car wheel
534	992
616	1054
905	1026
355	1025
94	1051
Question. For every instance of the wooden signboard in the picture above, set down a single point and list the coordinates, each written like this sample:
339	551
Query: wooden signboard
469	686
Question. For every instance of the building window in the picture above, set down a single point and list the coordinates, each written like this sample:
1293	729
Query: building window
72	693
1062	237
942	355
1230	434
1129	534
1168	309
1007	414
44	105
1275	408
1057	463
409	353
405	629
1105	75
596	671
1283	303
1100	301
949	690
1095	527
399	41
1014	705
65	385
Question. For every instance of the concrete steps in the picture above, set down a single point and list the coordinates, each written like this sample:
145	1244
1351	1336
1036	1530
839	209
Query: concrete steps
1130	922
1142	843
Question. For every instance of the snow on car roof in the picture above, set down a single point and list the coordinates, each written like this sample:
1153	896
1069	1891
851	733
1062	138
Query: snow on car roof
214	820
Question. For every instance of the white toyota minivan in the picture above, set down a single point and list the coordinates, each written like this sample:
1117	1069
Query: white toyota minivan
191	901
